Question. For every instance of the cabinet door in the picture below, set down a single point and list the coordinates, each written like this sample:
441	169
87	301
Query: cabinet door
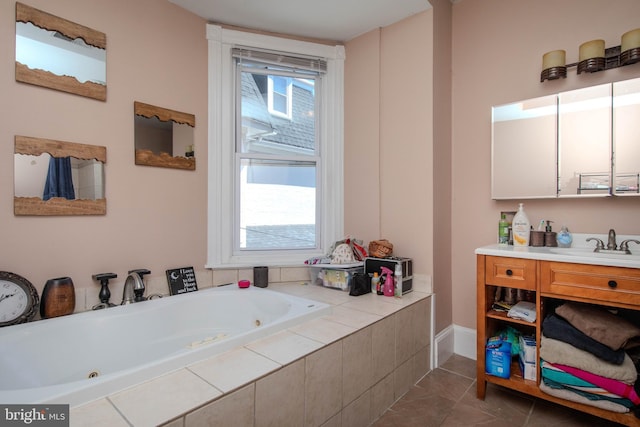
626	137
523	149
584	142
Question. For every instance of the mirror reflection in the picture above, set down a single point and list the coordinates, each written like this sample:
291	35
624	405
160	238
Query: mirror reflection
163	137
59	54
584	142
626	131
58	178
524	149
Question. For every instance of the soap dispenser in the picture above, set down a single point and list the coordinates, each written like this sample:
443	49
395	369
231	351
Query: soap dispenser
550	238
564	238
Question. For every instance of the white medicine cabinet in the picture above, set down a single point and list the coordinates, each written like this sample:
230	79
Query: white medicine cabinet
626	137
524	149
580	143
584	142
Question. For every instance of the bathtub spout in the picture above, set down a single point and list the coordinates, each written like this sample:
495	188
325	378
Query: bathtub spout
133	289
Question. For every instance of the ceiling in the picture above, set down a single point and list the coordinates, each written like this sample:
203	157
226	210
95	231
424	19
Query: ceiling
338	20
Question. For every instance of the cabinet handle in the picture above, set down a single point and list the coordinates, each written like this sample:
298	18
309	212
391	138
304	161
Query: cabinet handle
612	283
509	272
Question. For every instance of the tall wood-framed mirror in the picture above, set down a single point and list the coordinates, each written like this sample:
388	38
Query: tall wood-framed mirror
59	54
58	178
163	137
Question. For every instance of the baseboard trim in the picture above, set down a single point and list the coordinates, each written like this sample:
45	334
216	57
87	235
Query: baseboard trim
452	340
465	342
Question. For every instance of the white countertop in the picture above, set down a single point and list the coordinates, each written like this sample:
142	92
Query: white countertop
581	252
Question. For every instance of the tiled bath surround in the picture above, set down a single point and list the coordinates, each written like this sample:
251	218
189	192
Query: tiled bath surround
344	369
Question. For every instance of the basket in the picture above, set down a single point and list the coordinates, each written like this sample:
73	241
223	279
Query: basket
380	248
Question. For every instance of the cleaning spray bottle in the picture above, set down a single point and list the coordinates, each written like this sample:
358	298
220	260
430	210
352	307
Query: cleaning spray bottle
388	281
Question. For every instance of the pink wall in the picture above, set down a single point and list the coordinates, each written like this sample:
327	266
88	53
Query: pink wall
156	217
497	56
389	138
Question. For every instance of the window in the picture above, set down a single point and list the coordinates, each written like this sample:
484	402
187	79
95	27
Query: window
275	149
279	96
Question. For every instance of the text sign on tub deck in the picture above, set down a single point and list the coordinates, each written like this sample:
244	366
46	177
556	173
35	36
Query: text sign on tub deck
182	280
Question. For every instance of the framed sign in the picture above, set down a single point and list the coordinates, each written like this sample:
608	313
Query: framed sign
181	280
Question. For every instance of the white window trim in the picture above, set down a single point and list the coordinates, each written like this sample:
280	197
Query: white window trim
288	95
220	201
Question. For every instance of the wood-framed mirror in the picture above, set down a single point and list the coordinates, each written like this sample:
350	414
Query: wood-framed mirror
163	137
58	178
59	54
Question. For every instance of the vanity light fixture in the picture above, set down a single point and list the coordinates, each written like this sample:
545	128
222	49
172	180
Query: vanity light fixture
630	47
593	57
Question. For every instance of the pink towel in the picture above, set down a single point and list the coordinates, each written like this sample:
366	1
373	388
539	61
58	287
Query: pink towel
613	386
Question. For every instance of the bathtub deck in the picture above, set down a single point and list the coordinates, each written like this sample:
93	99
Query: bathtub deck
167	397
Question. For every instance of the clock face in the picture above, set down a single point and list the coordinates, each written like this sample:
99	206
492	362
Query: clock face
18	299
13	301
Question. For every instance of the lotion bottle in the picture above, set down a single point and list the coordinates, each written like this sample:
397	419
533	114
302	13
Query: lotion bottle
521	227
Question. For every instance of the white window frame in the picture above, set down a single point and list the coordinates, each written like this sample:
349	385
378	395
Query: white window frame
287	95
221	148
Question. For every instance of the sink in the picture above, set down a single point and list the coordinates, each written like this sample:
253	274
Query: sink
589	253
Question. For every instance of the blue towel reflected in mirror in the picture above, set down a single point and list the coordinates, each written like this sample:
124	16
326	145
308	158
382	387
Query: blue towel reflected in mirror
59	181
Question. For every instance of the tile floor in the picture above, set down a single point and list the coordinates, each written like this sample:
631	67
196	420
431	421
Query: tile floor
447	397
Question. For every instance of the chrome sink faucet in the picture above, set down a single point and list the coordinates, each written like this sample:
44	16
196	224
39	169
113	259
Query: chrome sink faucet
612	245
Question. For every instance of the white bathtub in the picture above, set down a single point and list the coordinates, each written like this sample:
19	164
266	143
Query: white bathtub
51	361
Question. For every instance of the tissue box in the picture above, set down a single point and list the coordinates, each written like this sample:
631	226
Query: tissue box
528	349
528	370
498	359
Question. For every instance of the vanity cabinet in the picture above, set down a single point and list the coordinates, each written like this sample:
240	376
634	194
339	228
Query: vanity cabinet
552	282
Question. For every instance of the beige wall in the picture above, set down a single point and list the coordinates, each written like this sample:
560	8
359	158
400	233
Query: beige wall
400	183
389	139
156	218
497	56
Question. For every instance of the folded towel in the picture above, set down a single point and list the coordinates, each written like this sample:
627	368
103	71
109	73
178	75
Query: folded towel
569	381
575	397
555	327
556	351
599	324
612	386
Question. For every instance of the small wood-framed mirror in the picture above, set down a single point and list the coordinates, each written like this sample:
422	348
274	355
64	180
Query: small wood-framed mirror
163	137
59	54
58	178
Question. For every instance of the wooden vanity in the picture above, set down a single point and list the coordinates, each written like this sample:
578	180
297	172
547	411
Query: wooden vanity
553	280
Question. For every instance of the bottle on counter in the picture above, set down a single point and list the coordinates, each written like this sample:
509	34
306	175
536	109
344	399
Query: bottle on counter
521	227
503	229
389	285
375	282
397	275
564	237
